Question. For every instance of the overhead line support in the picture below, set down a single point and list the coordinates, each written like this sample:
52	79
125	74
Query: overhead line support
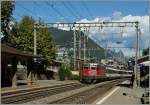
95	24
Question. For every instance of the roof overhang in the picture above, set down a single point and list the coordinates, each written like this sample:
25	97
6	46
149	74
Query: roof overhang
146	63
143	59
13	51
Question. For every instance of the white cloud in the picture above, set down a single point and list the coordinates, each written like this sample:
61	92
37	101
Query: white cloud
117	15
128	34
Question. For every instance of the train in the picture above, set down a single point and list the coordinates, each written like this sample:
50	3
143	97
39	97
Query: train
94	72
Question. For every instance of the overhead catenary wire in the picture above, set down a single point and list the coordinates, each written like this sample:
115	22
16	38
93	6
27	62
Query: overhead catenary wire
70	10
69	4
18	14
98	41
43	9
88	11
57	11
28	10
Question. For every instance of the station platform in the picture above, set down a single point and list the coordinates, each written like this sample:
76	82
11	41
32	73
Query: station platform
36	84
122	94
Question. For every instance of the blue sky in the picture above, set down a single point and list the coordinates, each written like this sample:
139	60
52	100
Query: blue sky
71	11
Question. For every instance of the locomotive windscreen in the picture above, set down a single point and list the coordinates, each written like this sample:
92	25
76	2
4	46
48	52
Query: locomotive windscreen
93	68
85	67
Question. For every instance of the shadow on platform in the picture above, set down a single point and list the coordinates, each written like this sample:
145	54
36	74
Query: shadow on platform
125	85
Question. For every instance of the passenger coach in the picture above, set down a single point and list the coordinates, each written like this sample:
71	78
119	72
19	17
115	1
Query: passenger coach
93	72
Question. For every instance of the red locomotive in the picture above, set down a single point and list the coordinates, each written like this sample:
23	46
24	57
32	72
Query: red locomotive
93	72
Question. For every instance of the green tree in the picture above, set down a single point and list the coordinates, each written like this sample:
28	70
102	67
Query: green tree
24	35
7	8
23	32
46	45
145	51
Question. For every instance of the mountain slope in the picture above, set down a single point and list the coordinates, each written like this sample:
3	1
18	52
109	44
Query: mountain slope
65	39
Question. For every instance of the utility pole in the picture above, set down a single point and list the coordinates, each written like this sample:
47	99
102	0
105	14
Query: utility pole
149	34
35	40
89	54
136	54
79	47
35	52
74	37
139	42
84	48
87	39
138	72
106	53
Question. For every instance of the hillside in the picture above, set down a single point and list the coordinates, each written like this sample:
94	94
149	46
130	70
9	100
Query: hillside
65	39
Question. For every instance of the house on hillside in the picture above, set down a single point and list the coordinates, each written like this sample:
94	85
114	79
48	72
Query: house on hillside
62	54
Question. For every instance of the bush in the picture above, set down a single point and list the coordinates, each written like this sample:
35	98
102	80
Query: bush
61	73
64	72
75	77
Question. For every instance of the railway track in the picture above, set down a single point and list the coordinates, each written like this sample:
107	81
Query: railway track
70	94
88	96
29	95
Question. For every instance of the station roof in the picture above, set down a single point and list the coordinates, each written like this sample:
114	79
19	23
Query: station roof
13	51
143	59
146	63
